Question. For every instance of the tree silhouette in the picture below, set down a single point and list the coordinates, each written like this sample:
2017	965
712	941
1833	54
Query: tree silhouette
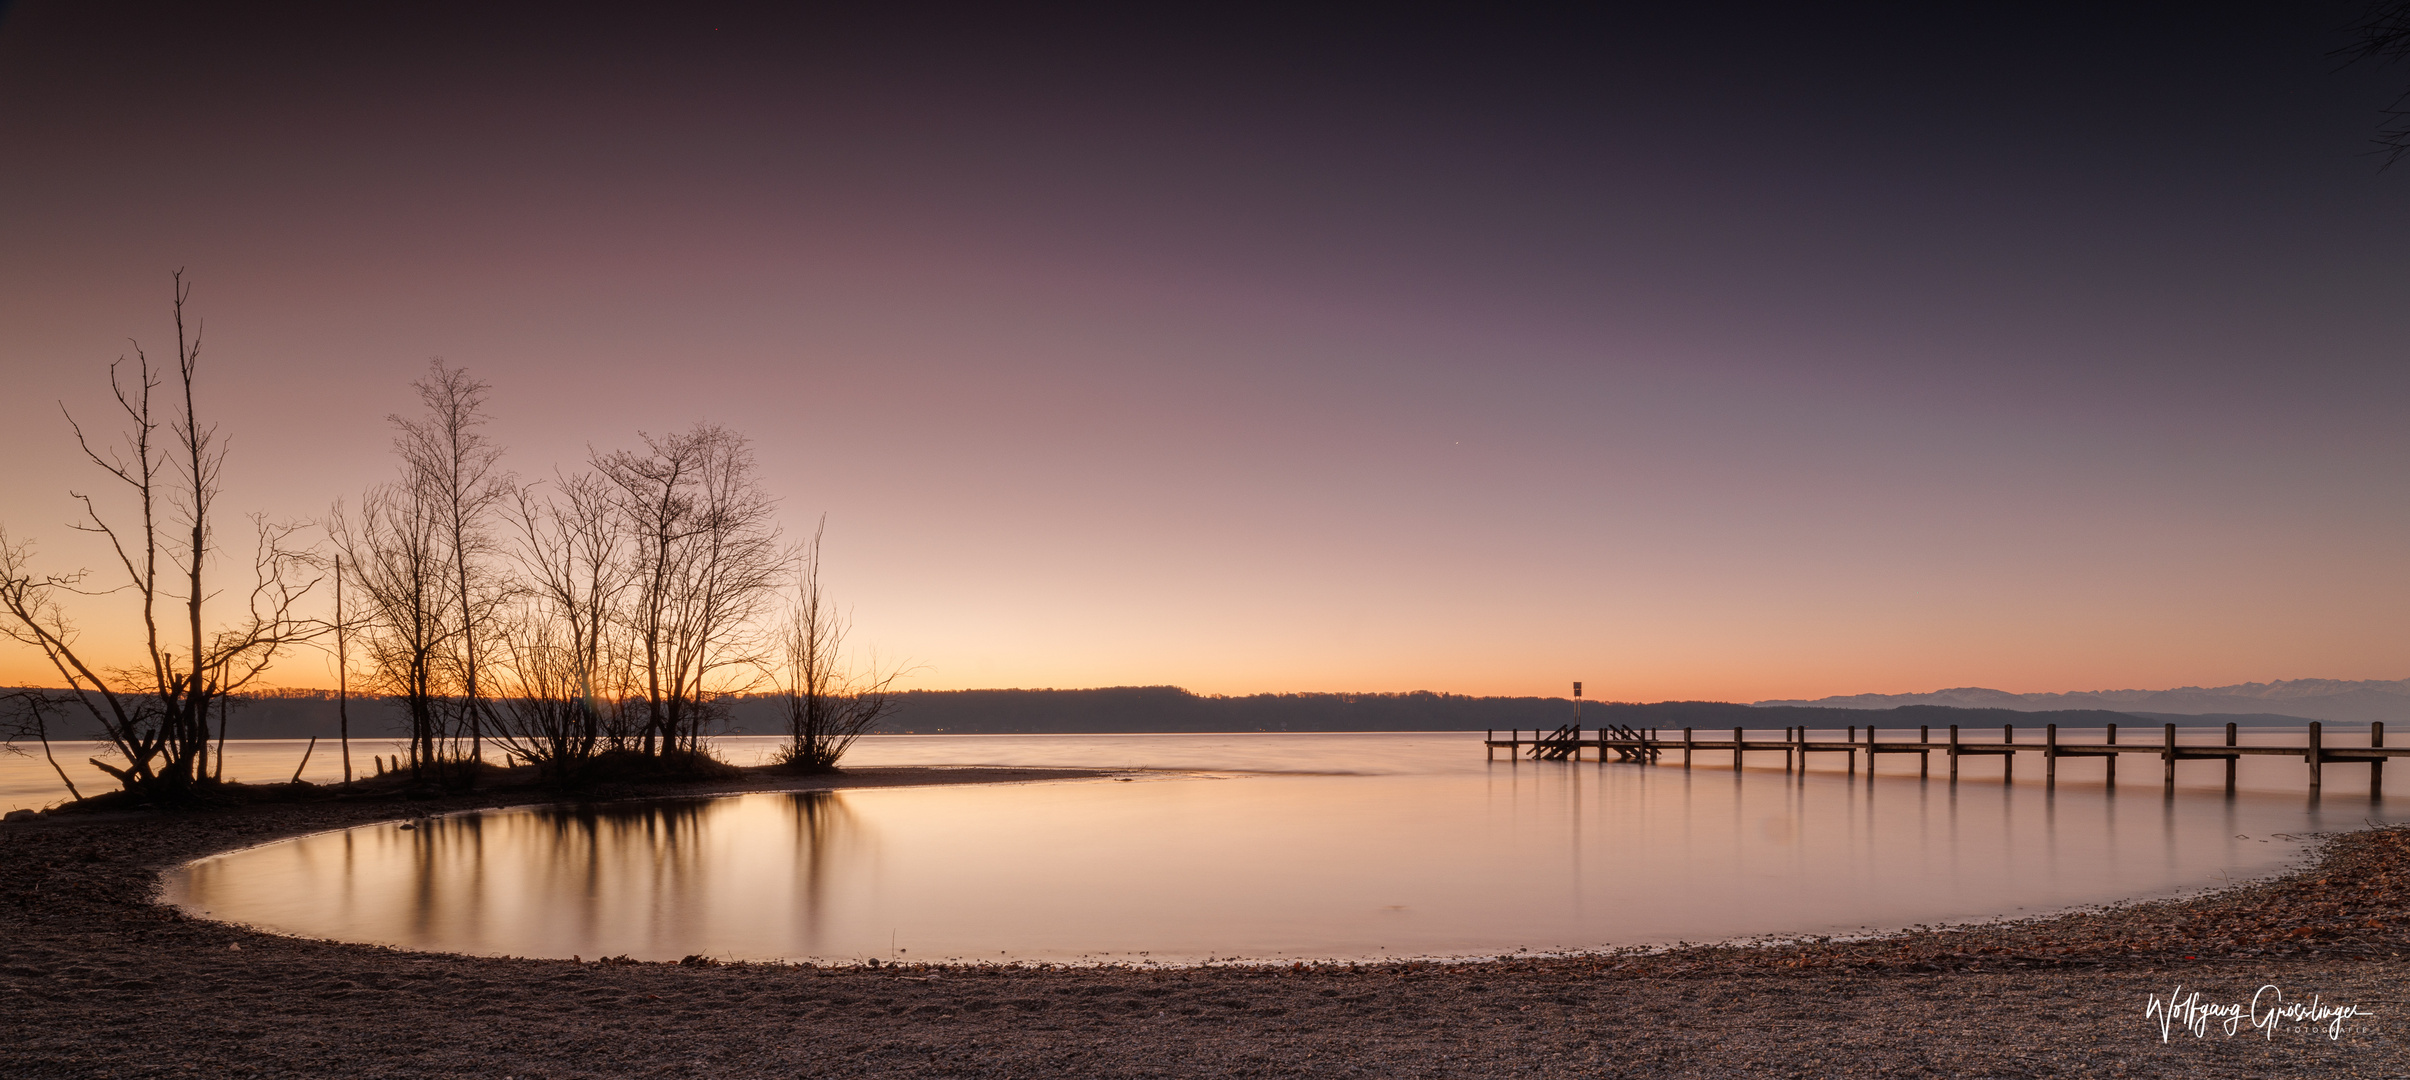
155	713
2383	36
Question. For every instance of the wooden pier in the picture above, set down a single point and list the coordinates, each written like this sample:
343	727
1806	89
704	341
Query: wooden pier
1570	742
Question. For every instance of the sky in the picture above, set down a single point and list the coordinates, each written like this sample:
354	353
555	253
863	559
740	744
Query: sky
1731	355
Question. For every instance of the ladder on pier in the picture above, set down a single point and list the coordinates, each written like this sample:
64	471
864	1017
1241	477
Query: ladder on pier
1558	745
1637	746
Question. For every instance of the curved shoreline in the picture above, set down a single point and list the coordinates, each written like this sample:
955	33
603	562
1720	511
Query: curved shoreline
99	979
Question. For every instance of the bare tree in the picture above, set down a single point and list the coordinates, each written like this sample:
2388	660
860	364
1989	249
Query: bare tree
155	713
708	559
26	714
543	718
396	553
342	673
2383	35
568	682
448	455
826	702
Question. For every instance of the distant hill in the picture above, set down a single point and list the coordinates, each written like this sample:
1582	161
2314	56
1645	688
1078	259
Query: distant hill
1709	716
2314	699
2246	719
1169	709
1146	709
300	714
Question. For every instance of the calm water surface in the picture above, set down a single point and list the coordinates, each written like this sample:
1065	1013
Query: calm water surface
1268	847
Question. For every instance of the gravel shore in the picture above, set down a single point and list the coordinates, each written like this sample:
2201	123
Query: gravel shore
98	981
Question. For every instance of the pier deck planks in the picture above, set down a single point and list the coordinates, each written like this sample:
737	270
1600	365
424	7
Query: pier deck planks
1568	743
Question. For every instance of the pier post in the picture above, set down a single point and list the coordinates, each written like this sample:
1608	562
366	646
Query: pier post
1953	753
2376	766
1853	752
2112	760
1870	753
1736	749
1489	752
1924	756
2008	761
2167	756
1686	748
2317	758
2050	757
2230	761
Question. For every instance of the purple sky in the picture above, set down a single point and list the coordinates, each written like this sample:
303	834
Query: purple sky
1759	355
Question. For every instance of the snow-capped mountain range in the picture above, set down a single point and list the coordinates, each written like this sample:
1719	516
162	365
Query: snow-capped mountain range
2311	699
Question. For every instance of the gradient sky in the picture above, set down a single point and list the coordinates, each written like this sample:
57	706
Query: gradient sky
1738	355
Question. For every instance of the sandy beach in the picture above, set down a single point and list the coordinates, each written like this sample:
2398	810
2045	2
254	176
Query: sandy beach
100	981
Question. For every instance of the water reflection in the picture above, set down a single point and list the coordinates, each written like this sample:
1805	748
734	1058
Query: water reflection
739	876
1437	853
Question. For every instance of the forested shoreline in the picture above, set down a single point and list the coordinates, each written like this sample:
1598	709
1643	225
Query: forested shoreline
303	714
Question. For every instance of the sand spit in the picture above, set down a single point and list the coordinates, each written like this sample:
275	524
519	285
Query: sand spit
96	980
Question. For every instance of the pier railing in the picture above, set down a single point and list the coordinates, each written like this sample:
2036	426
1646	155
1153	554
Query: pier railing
1795	744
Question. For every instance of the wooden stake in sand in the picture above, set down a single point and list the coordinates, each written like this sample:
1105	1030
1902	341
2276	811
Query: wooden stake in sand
305	758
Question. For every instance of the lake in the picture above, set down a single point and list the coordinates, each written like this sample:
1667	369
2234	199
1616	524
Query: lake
1272	847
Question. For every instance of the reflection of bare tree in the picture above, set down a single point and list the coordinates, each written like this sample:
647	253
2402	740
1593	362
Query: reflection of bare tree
634	877
434	839
654	828
823	826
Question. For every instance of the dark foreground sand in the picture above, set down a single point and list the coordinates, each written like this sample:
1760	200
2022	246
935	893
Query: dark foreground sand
95	980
